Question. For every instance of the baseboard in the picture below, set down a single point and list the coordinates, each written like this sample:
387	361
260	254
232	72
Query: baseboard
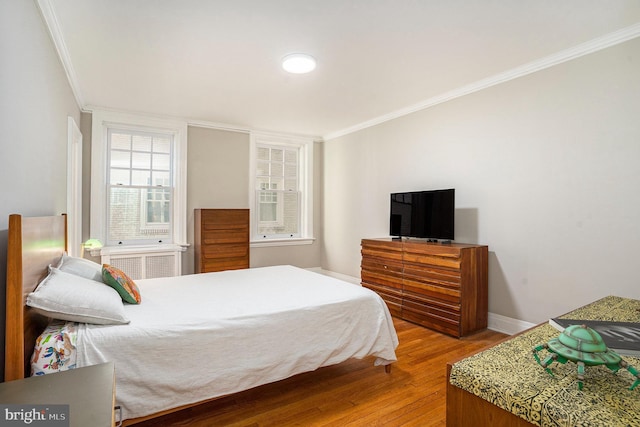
496	322
345	277
507	325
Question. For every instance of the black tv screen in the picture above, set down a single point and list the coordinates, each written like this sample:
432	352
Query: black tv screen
423	214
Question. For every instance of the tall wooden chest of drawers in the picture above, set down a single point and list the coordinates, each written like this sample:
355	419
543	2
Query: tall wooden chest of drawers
440	286
221	239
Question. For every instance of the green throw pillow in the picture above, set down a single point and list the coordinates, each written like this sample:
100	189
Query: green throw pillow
122	283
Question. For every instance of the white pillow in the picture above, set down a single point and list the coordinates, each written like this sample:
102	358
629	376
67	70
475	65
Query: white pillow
69	297
81	267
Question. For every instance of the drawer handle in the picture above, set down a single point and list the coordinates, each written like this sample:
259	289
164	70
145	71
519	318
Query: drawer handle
385	267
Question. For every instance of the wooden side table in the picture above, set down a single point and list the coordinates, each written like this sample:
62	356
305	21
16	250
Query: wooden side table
89	392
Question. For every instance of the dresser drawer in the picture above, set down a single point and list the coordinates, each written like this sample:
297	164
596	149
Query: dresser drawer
432	255
374	270
432	260
431	290
224	264
224	217
433	275
214	236
228	250
433	313
432	321
383	250
439	307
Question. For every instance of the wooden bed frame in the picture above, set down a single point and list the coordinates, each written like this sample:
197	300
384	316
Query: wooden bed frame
34	243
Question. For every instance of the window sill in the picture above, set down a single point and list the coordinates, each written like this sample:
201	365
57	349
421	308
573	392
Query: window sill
282	242
117	250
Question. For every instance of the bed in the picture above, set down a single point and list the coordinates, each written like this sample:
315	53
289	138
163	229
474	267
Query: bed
199	337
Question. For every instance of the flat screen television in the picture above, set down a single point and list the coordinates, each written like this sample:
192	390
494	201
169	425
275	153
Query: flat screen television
423	214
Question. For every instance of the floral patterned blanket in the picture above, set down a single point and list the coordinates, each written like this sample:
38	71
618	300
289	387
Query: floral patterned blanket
55	348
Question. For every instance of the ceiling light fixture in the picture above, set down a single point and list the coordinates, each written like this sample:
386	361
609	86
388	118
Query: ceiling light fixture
298	63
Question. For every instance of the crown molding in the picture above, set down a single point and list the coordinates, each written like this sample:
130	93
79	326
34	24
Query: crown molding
218	126
51	21
603	42
249	130
201	123
582	49
197	123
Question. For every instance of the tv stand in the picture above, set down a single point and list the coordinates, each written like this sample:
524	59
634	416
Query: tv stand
440	286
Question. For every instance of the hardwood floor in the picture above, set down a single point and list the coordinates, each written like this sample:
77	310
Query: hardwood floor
354	393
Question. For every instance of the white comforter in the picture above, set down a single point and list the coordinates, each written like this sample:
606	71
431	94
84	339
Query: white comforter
206	335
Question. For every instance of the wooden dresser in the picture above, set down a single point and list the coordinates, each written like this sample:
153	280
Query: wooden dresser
440	286
221	239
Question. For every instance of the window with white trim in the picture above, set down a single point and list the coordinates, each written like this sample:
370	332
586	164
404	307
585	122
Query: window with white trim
138	180
281	190
140	188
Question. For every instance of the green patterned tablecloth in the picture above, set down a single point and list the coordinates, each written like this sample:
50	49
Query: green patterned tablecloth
508	376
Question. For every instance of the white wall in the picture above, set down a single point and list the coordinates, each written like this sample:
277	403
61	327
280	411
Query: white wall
547	174
35	101
217	176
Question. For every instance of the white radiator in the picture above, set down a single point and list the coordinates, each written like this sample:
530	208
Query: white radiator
145	265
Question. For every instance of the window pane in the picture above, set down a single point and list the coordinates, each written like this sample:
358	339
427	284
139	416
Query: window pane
141	160
263	153
262	183
278	213
262	168
291	184
142	142
120	141
268	197
276	184
291	156
161	162
161	178
277	155
157	206
291	215
133	217
166	209
277	169
120	159
140	177
119	176
161	145
290	170
268	211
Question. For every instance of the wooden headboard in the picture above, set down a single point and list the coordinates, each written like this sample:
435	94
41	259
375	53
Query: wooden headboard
33	244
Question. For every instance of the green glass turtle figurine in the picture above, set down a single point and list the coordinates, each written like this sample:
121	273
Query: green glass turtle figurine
585	347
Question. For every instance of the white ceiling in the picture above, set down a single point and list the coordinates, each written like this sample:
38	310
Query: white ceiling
218	62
